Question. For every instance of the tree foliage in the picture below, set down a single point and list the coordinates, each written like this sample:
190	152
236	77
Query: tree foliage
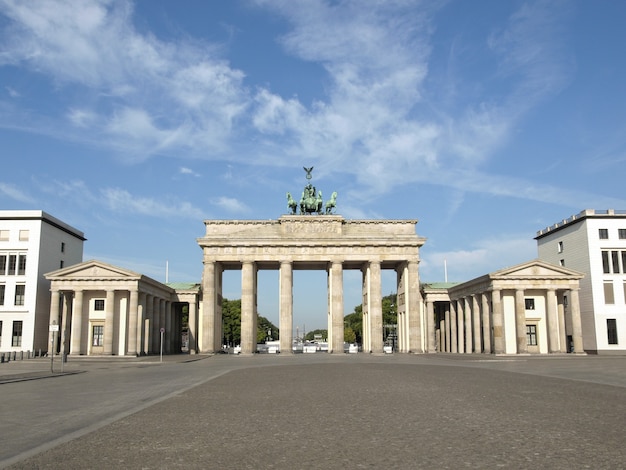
353	322
231	322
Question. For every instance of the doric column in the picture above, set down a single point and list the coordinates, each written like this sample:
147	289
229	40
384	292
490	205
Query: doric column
467	308
141	315
486	323
441	335
430	326
520	322
155	325
248	330
193	326
414	305
577	332
55	308
147	324
67	302
476	318
454	342
460	314
336	308
109	317
285	322
209	305
499	345
169	336
446	323
77	324
561	314
376	311
133	311
367	330
552	321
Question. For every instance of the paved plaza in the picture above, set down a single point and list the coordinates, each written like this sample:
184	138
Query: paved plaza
315	411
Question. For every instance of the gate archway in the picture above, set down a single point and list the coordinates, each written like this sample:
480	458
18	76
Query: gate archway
304	242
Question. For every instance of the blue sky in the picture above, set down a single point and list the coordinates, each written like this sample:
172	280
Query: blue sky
485	120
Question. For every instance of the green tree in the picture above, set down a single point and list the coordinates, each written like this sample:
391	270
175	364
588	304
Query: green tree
310	336
231	323
349	336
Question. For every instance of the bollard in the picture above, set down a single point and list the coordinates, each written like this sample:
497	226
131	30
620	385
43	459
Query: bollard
21	355
1	358
14	354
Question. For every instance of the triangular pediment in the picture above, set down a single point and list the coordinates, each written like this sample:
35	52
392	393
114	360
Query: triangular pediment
536	268
93	269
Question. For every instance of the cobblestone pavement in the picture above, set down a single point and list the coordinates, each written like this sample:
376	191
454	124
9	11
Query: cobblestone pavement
322	411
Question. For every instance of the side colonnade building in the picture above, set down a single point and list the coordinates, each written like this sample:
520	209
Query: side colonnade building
100	309
531	308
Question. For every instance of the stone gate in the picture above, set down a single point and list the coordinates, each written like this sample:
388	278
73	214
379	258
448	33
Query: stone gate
314	242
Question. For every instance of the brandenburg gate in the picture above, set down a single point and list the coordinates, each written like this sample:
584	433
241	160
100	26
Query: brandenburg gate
313	240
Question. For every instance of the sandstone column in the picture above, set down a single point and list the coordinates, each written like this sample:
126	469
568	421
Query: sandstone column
454	342
499	345
77	324
562	330
476	317
133	310
286	307
460	313
430	327
376	312
468	325
414	305
109	317
552	321
577	332
193	326
520	322
446	323
67	302
486	323
141	315
248	330
169	336
336	308
209	303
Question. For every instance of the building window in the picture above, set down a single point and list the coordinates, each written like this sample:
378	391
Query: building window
621	232
98	305
17	334
24	235
606	267
98	335
3	289
12	265
3	265
62	247
531	335
615	261
611	330
0	333
559	247
61	264
4	235
562	262
603	233
609	298
530	304
21	265
19	294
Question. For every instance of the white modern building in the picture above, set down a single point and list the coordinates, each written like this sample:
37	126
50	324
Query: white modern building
32	243
593	242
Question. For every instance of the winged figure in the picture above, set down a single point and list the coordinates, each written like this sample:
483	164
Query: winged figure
308	172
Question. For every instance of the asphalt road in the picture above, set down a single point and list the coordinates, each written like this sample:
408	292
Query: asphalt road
317	411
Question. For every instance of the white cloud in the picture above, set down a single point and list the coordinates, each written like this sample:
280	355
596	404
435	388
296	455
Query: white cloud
229	204
12	192
487	256
188	171
120	200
